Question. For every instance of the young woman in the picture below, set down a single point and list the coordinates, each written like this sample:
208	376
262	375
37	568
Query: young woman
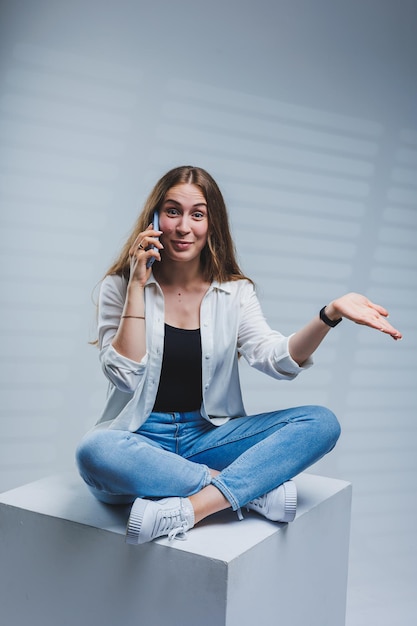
174	438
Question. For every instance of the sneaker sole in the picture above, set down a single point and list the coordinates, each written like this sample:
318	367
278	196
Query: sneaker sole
290	491
134	524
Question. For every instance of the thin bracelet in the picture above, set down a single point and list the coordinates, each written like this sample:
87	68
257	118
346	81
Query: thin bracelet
136	317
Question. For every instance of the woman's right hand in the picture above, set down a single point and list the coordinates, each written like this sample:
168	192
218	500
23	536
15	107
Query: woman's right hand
141	251
130	338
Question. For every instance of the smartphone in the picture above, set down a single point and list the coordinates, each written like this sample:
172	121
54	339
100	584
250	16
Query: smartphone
155	226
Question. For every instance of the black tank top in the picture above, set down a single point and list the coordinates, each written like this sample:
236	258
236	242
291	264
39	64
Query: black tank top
180	387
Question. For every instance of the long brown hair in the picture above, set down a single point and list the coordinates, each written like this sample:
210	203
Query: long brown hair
218	257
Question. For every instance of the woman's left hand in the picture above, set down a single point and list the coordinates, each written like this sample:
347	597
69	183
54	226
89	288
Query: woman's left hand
361	310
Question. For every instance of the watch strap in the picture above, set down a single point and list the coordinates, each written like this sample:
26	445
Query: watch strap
327	320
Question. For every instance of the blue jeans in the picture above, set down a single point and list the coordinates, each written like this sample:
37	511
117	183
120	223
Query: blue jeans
170	455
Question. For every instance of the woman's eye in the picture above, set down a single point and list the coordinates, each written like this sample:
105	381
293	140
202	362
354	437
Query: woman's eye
198	215
171	211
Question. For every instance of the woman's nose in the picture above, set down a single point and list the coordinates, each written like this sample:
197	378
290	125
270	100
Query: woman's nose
183	225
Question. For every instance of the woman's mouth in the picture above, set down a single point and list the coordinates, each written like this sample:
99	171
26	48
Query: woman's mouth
179	245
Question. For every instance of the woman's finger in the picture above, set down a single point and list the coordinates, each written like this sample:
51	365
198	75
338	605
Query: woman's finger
362	311
147	238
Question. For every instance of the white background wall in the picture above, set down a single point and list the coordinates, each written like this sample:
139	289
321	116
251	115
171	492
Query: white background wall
305	113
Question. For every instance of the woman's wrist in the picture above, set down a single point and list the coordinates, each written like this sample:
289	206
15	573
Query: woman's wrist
330	316
135	300
331	312
135	286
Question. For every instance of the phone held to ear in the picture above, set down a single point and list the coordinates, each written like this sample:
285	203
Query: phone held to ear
155	226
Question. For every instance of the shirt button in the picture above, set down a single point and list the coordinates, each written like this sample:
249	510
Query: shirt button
207	356
206	386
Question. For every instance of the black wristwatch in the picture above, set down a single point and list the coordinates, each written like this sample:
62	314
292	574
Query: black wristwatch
327	320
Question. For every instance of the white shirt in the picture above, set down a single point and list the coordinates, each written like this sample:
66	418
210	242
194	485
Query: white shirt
231	323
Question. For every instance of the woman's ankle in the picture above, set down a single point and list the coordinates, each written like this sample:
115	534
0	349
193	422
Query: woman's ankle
208	501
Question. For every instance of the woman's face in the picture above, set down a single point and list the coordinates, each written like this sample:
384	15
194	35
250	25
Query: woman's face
183	220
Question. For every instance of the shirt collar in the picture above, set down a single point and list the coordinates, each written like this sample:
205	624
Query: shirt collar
226	287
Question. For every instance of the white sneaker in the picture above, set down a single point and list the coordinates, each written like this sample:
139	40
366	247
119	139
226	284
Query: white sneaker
149	519
278	505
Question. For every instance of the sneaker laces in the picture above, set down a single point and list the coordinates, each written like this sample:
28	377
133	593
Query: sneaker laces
259	502
172	523
178	533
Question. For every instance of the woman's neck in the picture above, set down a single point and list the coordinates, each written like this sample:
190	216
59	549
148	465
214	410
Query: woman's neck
181	275
184	289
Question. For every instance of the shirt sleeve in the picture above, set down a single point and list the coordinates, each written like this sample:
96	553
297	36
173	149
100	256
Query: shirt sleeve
122	372
264	348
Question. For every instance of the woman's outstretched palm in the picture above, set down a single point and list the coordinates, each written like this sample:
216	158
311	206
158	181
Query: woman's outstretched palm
361	310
